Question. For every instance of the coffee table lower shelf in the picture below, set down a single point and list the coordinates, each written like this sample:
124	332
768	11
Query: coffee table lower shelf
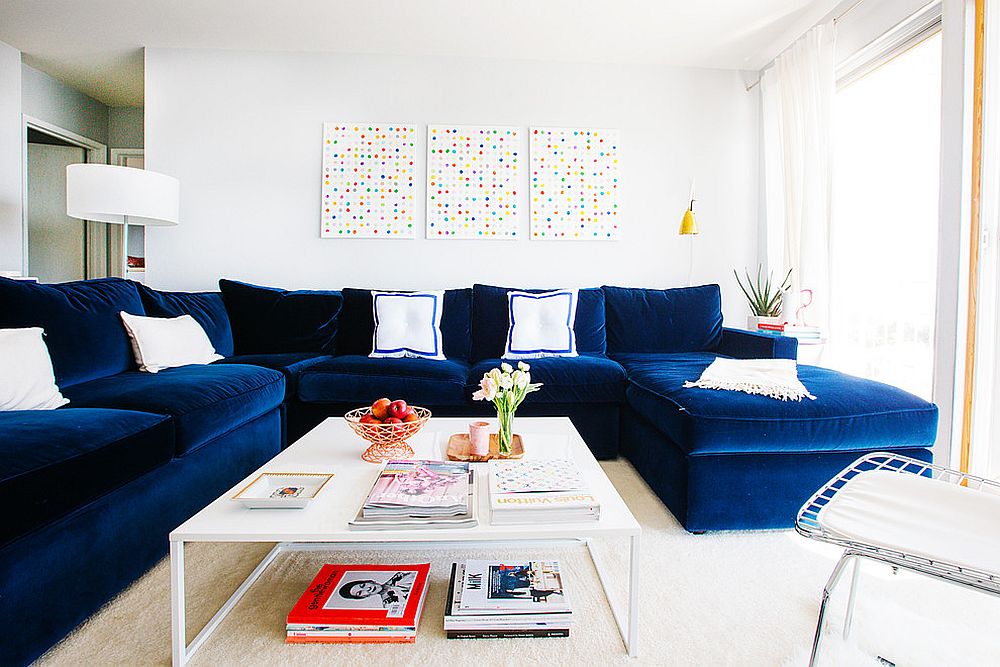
627	619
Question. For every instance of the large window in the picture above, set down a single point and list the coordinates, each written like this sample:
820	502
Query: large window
885	220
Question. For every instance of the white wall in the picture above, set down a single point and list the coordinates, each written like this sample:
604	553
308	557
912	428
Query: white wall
11	242
242	132
46	98
125	127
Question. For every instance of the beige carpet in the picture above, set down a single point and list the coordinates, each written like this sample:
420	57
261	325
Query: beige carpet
716	599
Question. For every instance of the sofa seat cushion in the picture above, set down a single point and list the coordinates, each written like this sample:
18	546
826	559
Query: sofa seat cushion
360	380
205	401
290	364
849	413
53	461
583	379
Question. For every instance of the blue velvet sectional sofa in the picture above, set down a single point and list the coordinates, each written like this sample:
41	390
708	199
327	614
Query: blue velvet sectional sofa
92	489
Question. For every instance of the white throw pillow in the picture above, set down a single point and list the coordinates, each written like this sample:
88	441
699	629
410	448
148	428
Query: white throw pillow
541	325
168	342
407	324
26	378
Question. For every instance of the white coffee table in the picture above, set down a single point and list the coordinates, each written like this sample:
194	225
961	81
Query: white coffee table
331	447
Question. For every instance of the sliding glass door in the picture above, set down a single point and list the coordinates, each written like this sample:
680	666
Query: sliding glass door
885	220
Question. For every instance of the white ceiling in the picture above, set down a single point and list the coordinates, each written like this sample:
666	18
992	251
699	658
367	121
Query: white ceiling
95	46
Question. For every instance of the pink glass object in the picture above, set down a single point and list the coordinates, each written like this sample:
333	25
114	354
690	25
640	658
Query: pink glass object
479	438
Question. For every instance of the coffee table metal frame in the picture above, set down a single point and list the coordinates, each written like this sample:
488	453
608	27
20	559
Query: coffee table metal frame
210	525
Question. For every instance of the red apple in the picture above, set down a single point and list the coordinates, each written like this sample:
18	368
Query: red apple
411	416
393	420
369	419
380	408
398	409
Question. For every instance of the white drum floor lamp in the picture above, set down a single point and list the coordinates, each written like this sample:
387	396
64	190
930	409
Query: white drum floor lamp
121	196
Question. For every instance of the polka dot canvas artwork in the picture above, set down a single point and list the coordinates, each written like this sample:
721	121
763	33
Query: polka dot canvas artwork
573	184
472	182
368	181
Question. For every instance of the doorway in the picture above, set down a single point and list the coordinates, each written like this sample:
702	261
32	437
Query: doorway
58	248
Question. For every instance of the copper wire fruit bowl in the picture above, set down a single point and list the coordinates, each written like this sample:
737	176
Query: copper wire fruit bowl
388	441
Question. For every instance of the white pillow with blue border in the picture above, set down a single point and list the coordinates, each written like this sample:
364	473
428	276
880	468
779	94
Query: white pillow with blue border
541	325
407	324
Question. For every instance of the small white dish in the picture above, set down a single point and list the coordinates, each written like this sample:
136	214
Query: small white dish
282	490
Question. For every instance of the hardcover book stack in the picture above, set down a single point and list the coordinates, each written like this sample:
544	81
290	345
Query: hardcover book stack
495	600
419	494
803	332
360	604
527	491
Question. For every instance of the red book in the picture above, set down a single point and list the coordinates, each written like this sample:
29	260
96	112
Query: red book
363	595
770	327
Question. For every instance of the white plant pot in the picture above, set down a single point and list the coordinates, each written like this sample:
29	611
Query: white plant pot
754	320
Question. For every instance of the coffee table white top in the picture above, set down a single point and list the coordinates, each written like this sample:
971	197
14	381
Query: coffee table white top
333	448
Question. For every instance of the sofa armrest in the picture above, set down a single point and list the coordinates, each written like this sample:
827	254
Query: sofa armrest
742	344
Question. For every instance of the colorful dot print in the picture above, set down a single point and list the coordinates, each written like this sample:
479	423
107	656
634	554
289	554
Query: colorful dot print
368	181
574	184
472	182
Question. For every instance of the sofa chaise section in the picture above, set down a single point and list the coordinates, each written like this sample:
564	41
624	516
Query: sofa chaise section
723	460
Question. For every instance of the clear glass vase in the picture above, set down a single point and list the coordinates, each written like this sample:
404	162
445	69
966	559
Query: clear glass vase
505	437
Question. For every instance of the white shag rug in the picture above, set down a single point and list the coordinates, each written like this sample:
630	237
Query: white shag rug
737	598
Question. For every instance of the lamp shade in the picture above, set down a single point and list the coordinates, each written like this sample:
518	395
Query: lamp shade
119	195
688	224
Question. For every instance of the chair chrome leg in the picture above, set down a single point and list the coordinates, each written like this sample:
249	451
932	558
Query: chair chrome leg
831	583
852	597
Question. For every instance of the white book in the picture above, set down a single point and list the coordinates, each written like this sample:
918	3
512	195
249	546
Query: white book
543	486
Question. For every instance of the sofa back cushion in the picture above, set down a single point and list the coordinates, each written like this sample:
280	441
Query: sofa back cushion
207	309
270	320
83	331
357	323
491	320
687	319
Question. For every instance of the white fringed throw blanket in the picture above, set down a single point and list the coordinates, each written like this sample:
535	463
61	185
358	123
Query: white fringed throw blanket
776	378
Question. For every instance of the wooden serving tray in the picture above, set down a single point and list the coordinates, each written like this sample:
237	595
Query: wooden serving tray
458	448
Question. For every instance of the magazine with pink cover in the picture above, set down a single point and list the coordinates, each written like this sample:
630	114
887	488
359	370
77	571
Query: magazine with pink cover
421	484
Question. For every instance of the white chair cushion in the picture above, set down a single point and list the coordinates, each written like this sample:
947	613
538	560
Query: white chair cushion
168	342
541	325
917	515
407	324
26	378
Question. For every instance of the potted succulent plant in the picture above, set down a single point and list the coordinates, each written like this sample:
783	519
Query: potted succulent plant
764	296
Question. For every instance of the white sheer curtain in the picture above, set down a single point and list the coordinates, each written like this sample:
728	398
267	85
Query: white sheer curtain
797	94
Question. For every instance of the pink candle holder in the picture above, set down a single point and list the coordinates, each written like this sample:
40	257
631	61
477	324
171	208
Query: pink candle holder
479	438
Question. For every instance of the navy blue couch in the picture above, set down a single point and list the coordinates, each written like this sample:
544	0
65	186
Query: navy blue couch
94	487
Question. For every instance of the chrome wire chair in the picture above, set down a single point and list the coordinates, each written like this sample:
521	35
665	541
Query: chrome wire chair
809	523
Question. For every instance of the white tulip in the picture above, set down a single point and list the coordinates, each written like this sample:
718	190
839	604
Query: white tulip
506	368
521	379
523	366
506	381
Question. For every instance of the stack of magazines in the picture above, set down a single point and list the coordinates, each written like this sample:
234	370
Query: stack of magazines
360	604
532	490
419	494
495	600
